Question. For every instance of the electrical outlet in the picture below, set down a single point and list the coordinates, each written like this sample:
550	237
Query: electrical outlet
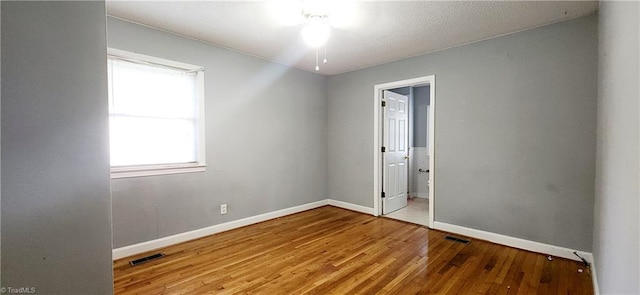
223	209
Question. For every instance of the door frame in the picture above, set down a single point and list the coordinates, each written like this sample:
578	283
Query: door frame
377	139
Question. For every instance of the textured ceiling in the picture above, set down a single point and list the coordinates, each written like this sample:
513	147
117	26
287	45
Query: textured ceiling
364	33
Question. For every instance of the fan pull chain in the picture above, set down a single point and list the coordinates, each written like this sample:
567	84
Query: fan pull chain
325	54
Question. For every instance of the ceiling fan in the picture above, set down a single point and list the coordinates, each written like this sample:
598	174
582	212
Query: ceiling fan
317	18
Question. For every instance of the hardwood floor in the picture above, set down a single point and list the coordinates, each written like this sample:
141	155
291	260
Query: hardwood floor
330	250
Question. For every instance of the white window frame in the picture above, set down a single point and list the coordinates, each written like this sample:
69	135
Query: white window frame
163	169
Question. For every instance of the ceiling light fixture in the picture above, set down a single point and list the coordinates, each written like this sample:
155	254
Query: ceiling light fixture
316	33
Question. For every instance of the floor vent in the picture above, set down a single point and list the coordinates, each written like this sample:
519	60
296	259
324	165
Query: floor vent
146	259
459	240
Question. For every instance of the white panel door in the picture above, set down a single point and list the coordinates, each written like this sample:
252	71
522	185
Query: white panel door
396	139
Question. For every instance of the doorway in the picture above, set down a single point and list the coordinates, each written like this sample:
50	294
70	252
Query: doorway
385	181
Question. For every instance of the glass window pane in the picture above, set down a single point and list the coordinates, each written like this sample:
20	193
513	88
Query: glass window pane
151	91
153	114
145	141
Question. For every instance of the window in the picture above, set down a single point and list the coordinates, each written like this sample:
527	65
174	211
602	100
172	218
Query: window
156	115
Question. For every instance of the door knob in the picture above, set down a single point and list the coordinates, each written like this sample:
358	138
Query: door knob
406	157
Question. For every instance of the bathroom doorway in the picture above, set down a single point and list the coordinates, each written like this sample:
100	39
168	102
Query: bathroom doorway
420	158
416	209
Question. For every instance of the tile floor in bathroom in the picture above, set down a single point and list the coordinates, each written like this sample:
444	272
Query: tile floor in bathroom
417	211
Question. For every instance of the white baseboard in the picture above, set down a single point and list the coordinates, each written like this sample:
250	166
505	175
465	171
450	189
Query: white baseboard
594	278
514	242
203	232
350	206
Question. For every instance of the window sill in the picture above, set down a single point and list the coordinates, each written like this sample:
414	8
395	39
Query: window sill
154	171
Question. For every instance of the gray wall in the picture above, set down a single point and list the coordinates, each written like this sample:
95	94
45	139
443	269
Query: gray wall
515	132
56	208
617	226
266	135
420	115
